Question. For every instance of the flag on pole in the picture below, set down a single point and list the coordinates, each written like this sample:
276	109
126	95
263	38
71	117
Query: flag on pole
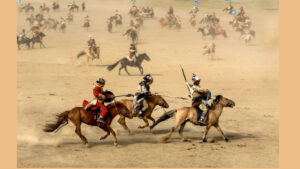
197	1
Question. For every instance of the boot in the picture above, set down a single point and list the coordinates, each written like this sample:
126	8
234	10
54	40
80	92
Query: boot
202	120
140	115
100	120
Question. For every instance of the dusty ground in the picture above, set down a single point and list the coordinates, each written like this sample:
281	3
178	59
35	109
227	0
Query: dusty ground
52	80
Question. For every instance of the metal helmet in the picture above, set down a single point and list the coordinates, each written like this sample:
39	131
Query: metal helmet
101	81
195	78
148	78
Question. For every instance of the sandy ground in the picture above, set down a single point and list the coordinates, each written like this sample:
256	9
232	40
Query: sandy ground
52	80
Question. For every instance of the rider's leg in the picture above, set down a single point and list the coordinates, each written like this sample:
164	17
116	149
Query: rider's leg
144	108
203	117
92	103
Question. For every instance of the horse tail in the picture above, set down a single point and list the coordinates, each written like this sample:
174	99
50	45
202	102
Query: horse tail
111	67
62	120
164	117
80	54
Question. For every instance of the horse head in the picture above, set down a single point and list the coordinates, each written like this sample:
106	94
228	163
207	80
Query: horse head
159	100
225	102
144	56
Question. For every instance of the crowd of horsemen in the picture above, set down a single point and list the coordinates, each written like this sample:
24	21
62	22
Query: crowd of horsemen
241	22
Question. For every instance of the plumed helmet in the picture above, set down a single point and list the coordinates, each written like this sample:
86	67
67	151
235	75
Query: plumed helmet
195	78
148	78
101	81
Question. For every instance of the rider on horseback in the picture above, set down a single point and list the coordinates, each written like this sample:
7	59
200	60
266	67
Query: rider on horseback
132	53
21	35
98	100
91	45
198	101
139	100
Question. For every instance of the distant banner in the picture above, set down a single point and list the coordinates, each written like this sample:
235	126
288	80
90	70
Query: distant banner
197	1
233	12
19	2
133	1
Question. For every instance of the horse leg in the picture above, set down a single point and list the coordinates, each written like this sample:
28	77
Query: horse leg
141	70
123	123
205	133
126	70
166	138
107	133
114	134
146	121
220	130
78	132
151	118
181	131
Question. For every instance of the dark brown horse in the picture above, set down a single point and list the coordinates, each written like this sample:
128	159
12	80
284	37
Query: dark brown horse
125	62
78	115
38	39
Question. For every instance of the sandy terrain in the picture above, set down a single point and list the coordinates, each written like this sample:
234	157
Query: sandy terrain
52	80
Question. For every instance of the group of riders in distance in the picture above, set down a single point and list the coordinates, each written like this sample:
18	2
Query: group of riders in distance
143	102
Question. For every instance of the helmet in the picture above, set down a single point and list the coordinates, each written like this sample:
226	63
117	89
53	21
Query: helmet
195	78
148	78
101	81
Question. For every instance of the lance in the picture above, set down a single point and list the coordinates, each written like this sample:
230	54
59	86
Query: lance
187	84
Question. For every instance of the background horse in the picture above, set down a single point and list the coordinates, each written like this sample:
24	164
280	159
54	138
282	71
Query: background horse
38	39
23	40
95	52
78	115
132	34
125	62
152	101
189	114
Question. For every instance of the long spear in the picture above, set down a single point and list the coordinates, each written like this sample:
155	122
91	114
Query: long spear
187	84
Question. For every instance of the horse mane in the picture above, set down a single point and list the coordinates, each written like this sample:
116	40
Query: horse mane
215	102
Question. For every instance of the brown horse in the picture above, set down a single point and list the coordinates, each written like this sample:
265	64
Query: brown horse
189	114
78	115
152	102
95	54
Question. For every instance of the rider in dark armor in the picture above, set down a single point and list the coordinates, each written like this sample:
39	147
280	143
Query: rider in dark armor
143	93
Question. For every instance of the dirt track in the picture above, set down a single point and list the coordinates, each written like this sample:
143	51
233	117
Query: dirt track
52	80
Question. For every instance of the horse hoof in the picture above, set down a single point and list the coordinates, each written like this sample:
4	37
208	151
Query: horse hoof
116	144
204	140
226	139
139	127
87	145
101	138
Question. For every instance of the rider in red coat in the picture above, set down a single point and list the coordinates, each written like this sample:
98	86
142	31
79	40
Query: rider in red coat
98	102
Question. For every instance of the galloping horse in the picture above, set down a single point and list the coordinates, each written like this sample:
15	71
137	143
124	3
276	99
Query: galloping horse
213	32
79	115
153	101
38	39
132	34
23	40
95	54
125	62
189	114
